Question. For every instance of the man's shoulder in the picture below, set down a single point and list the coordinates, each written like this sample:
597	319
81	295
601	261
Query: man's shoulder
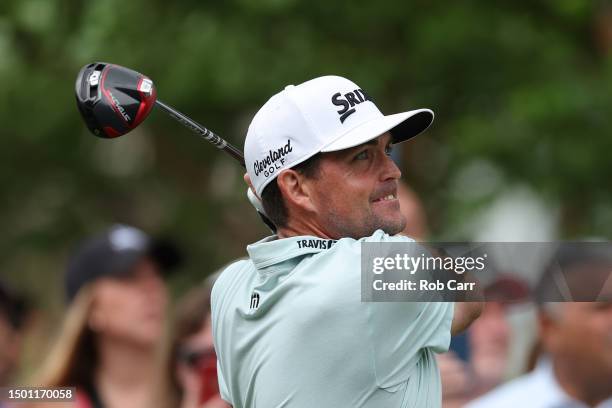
379	236
345	254
230	274
346	250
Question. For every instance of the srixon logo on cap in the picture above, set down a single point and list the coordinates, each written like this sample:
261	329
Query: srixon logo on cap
348	101
274	160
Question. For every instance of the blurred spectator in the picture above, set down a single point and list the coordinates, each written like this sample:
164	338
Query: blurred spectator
193	355
575	369
490	346
477	359
468	374
412	208
13	314
110	341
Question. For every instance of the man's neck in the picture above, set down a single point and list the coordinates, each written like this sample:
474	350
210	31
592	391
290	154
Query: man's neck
126	372
296	229
578	384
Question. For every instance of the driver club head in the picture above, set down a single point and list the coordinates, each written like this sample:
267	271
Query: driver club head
112	99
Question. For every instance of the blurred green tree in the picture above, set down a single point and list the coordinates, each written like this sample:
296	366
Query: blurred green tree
524	87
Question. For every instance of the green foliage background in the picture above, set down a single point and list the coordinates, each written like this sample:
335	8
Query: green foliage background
525	87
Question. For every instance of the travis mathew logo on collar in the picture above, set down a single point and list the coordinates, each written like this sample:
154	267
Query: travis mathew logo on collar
273	161
348	101
316	243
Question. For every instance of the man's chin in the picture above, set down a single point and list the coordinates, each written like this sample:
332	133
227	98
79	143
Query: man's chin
392	225
392	229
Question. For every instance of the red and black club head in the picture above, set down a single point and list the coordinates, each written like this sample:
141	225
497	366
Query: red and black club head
112	99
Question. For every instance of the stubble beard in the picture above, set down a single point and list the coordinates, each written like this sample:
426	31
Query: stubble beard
364	227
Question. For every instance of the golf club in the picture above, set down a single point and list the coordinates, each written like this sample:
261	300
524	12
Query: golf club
114	100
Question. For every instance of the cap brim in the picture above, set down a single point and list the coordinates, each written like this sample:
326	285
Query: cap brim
402	126
163	252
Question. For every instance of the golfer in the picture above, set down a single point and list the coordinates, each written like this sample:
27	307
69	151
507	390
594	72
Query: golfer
289	326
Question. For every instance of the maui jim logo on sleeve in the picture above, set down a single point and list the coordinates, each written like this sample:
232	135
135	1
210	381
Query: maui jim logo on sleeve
273	161
348	101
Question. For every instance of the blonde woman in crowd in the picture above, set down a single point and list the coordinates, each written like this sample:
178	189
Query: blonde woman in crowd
109	346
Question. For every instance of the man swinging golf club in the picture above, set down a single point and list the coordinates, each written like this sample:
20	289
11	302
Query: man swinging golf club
289	326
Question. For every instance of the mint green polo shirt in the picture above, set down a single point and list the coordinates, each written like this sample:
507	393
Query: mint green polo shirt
290	330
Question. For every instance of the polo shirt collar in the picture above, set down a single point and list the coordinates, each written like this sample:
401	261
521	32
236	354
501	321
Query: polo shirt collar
272	250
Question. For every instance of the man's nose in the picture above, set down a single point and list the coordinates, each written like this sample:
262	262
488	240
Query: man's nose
390	171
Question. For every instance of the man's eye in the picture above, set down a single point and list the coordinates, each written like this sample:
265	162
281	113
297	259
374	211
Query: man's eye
362	155
389	150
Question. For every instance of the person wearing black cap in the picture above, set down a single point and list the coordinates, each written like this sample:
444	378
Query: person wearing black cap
108	347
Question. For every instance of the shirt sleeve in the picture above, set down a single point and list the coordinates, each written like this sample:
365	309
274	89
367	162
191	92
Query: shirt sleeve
223	390
215	307
401	331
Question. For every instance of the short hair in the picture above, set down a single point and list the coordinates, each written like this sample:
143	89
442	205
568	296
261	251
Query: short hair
272	197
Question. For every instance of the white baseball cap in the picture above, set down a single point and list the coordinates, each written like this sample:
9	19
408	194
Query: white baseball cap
325	114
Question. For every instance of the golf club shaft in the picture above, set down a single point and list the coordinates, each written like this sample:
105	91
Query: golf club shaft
222	145
213	138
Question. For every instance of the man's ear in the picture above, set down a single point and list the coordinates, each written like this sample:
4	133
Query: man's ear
247	180
295	190
548	320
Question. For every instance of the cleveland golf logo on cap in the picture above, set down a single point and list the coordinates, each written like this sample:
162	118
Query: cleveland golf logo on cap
273	161
348	101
